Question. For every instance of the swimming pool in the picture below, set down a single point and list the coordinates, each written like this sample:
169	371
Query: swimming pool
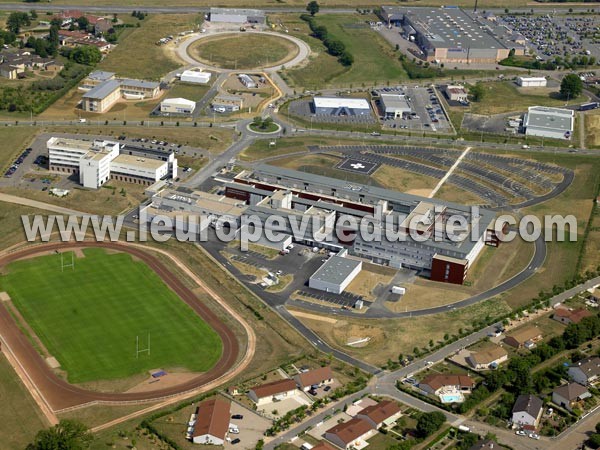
456	397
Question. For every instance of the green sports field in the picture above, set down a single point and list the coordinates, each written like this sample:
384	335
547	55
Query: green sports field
88	318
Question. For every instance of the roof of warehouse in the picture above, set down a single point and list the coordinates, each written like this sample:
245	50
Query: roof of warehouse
179	101
335	270
341	102
451	28
551	118
395	101
139	83
237	11
103	90
101	75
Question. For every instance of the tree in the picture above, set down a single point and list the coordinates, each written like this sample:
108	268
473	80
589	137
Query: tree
594	440
571	86
67	434
17	20
83	23
86	54
477	92
313	7
429	423
33	14
346	59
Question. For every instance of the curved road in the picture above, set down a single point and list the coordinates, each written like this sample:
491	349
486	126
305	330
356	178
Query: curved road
57	392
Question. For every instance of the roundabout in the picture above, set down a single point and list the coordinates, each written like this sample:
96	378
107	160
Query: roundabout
228	51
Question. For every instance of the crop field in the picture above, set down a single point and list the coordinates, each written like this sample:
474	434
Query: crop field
88	317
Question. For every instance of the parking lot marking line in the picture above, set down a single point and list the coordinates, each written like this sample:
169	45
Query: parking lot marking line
454	166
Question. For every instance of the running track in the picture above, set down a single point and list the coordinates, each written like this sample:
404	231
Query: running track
58	393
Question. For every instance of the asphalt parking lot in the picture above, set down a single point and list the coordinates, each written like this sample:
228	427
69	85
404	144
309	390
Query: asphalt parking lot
251	428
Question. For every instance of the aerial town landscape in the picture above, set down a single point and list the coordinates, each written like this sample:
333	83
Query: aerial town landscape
292	225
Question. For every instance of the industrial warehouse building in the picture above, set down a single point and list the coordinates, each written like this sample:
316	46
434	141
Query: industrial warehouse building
339	106
335	274
395	105
532	81
103	90
233	15
177	106
247	81
543	121
449	34
227	103
195	76
456	93
100	161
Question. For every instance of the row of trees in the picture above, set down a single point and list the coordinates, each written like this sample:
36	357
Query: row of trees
334	46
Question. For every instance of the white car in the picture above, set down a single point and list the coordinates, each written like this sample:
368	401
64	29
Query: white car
82	120
520	433
534	436
291	246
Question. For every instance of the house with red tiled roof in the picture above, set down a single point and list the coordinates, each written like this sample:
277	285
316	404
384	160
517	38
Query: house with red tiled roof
385	412
353	433
273	391
315	377
568	316
435	383
212	422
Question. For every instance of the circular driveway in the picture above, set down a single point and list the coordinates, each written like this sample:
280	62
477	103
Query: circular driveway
303	51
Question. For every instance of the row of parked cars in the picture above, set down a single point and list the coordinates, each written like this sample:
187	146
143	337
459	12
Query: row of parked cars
17	162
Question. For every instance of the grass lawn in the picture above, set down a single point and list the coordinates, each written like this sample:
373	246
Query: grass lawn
14	141
21	417
404	180
506	96
375	60
592	130
243	51
138	56
89	317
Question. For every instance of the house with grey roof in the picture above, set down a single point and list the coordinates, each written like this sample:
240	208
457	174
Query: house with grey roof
527	411
570	395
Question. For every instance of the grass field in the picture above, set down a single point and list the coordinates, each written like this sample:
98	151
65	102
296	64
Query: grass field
375	61
21	417
243	51
89	317
138	56
505	96
592	130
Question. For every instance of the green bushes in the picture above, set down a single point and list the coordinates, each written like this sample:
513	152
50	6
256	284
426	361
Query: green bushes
334	46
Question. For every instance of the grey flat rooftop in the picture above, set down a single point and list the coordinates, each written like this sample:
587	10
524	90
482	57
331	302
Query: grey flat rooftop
103	90
451	28
129	82
237	11
551	118
335	270
101	75
395	101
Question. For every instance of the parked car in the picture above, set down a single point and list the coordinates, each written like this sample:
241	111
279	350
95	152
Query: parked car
237	416
520	433
236	441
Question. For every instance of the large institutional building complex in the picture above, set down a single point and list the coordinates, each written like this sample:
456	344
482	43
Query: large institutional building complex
268	191
98	161
450	34
103	90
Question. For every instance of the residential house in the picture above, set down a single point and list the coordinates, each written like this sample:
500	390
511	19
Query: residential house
525	337
436	383
569	395
485	444
102	26
585	371
324	446
315	377
527	411
12	65
487	358
212	422
568	316
353	433
273	391
385	412
595	291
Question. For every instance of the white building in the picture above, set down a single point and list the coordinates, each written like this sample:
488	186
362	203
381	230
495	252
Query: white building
195	76
456	93
212	422
99	161
527	411
532	81
247	81
177	106
273	391
395	105
556	123
335	274
340	106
